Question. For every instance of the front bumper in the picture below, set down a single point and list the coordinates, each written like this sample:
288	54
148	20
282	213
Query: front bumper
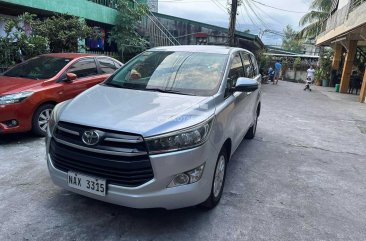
20	112
155	194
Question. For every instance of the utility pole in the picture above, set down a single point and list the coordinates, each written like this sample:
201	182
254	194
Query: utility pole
231	34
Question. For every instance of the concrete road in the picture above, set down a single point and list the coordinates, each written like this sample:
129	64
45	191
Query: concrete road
302	178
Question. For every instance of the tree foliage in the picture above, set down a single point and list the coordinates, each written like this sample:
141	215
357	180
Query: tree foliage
19	41
312	22
325	62
124	33
297	63
290	41
69	30
27	36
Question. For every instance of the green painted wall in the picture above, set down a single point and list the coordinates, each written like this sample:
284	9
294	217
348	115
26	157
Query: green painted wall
81	8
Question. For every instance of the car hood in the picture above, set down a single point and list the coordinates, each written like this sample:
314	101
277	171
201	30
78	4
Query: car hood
9	85
142	112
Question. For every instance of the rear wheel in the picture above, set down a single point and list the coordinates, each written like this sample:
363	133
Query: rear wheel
218	181
40	119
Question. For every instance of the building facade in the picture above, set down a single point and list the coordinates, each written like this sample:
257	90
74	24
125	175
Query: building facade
159	29
345	32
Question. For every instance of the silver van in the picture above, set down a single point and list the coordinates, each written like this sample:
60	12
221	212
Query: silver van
160	131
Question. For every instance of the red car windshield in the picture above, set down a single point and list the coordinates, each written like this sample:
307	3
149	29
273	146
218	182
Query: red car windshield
41	67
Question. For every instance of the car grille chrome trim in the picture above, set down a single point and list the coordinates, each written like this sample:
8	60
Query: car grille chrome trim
119	157
128	152
117	170
68	131
112	139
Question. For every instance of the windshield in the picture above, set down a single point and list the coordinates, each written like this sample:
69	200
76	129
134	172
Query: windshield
42	67
176	72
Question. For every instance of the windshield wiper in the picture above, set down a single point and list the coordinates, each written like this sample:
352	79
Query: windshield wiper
112	84
166	91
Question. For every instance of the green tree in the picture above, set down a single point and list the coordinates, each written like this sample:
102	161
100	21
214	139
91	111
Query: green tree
19	42
312	22
63	32
297	64
124	33
290	41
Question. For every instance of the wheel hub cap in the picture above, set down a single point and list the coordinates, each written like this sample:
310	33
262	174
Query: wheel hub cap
219	176
43	119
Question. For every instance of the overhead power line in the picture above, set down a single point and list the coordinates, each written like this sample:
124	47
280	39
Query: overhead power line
244	7
219	5
281	9
255	14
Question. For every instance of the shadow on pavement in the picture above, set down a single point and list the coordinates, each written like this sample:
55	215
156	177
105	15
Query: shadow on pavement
18	138
117	220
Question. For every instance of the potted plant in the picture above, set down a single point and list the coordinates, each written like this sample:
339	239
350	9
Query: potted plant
319	73
325	65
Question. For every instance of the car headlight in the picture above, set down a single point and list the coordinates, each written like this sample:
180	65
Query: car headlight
180	140
52	122
14	98
55	115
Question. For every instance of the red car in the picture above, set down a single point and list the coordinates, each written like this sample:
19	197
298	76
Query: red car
30	90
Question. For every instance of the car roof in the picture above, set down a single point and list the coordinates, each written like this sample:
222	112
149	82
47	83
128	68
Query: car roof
69	55
198	48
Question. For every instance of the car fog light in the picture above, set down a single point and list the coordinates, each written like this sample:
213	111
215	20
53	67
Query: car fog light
189	177
180	179
11	123
196	174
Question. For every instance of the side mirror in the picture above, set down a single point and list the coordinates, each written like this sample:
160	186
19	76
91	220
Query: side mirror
71	77
246	85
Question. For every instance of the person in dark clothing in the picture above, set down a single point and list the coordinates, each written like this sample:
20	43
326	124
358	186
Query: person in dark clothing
354	83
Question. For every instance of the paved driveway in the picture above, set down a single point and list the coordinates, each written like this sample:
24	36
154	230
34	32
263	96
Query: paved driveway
302	178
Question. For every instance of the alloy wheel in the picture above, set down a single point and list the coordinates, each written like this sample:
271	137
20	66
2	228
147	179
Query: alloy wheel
219	176
43	118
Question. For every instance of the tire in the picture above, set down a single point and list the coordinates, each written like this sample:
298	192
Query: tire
218	179
253	129
40	119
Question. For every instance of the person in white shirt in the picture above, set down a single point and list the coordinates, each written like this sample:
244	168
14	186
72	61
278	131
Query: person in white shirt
309	78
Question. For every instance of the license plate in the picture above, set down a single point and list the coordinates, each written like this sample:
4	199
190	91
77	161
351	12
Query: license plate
86	183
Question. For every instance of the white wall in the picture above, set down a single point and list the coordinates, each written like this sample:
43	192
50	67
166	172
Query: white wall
300	75
342	3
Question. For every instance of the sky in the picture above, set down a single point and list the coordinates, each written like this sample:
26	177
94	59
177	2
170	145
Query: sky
253	15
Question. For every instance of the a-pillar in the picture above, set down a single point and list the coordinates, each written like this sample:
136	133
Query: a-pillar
348	64
363	88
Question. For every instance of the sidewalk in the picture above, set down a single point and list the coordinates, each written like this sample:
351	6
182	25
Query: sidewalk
332	94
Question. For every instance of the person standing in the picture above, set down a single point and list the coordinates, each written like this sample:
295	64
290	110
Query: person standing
278	67
310	77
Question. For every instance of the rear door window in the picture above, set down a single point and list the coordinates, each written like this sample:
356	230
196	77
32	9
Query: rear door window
248	66
255	65
84	68
107	66
236	71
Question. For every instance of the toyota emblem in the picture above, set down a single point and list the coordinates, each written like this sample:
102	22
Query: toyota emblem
90	138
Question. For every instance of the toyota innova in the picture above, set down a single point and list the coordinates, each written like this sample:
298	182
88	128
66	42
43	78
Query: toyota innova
160	131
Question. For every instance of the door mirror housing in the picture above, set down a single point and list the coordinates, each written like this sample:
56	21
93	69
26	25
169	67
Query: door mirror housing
246	85
70	77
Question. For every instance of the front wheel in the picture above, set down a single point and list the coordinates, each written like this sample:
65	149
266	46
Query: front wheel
40	119
218	181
